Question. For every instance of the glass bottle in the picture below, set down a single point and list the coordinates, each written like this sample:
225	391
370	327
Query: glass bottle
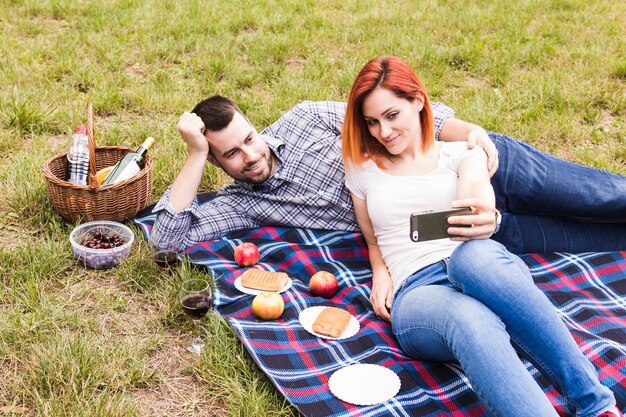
130	165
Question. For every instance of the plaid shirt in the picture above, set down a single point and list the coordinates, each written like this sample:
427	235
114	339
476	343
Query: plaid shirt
306	191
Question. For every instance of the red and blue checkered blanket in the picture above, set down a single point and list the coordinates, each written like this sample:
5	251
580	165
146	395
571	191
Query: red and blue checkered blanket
588	291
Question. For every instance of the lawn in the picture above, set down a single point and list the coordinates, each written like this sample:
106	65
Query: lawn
76	342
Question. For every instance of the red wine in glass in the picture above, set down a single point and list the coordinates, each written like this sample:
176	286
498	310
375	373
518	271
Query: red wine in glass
195	298
196	306
165	258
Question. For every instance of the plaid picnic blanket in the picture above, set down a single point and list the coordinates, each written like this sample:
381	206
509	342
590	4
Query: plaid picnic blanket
588	291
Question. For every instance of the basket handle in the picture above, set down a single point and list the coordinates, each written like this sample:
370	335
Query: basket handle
93	183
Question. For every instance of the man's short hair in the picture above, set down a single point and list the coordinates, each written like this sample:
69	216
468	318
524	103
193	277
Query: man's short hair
216	112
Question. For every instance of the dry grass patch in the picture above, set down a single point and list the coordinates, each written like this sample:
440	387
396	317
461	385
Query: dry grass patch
173	389
476	82
180	393
295	63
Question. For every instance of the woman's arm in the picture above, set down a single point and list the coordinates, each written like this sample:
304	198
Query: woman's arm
455	130
382	285
474	190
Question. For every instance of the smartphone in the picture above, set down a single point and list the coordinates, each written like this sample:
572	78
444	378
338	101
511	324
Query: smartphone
431	225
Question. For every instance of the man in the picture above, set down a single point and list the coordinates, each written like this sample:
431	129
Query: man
292	175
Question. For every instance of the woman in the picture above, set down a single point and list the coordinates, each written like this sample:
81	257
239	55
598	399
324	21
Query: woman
471	301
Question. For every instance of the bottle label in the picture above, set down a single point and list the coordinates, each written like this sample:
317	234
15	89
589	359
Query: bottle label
130	171
78	158
130	165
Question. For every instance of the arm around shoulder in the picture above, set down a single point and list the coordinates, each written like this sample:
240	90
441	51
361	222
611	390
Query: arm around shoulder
455	130
329	113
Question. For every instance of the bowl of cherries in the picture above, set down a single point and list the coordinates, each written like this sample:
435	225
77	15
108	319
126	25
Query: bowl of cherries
101	244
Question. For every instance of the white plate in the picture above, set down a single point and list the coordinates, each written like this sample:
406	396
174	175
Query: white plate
308	316
364	384
252	291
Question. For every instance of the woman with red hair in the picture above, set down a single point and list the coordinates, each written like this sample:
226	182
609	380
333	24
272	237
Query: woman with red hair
454	299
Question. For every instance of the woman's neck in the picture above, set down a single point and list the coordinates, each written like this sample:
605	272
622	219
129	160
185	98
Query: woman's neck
413	162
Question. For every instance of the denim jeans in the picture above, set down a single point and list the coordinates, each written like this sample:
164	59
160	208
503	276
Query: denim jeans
551	205
481	309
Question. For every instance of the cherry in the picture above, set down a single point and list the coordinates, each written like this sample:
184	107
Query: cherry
98	240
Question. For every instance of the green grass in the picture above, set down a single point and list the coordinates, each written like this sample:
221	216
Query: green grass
75	342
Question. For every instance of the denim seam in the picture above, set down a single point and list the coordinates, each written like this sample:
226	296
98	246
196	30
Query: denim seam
412	328
546	370
558	382
486	403
482	398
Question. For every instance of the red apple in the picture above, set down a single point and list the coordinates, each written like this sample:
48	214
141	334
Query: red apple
324	284
268	305
247	254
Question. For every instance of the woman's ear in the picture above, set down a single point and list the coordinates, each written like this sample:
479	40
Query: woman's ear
419	102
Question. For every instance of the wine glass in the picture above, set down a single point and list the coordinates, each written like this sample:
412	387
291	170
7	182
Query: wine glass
196	301
165	248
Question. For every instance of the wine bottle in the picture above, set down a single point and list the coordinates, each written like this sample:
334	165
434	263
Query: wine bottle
130	165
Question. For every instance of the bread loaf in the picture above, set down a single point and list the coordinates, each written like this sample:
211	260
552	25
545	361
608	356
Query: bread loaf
332	321
264	280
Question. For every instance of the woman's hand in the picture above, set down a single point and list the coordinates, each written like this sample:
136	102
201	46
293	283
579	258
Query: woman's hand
482	220
382	295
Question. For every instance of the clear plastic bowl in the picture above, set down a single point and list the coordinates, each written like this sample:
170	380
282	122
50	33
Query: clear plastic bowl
101	258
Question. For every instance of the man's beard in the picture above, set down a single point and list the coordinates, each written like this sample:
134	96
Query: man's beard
266	161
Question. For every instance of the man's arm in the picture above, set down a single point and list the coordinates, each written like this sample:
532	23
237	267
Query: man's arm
185	187
329	113
202	222
332	114
458	130
171	218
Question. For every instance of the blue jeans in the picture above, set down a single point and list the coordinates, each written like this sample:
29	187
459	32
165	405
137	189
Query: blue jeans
480	309
551	205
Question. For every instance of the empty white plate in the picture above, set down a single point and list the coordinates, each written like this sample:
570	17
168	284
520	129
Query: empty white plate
364	384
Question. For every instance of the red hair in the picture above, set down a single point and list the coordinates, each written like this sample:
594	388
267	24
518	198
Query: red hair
392	73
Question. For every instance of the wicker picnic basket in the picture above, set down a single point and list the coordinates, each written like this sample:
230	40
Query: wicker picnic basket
116	202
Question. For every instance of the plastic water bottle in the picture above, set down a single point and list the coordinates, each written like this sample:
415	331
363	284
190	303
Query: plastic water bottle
78	156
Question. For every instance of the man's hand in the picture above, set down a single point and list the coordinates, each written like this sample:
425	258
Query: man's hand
480	137
191	128
458	130
482	220
381	296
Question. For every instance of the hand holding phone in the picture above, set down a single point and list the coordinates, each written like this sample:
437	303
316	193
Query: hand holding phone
431	225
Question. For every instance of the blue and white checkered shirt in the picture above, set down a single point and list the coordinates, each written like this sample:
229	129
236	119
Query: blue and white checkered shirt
306	191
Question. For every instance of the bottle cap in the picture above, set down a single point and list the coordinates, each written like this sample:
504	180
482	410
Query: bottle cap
148	142
82	129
